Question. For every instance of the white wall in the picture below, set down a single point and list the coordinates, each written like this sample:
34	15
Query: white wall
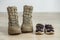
39	5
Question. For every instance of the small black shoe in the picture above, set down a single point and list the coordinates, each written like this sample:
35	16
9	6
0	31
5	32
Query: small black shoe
49	30
39	29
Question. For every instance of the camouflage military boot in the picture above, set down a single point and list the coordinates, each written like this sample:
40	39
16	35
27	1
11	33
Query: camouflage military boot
27	19
13	26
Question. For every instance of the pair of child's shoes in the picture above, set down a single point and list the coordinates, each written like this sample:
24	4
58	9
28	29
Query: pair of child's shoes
47	29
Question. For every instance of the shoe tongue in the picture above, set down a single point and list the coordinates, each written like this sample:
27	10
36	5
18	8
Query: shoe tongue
49	27
41	27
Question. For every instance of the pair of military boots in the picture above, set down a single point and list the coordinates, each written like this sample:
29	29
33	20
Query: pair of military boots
47	29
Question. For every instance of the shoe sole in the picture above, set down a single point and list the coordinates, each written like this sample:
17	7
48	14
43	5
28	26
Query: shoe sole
48	33
39	33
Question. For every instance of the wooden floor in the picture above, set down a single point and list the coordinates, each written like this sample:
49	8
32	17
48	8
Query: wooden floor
44	18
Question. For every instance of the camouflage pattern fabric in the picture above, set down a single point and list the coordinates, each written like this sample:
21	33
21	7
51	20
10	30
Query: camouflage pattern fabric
13	26
27	19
